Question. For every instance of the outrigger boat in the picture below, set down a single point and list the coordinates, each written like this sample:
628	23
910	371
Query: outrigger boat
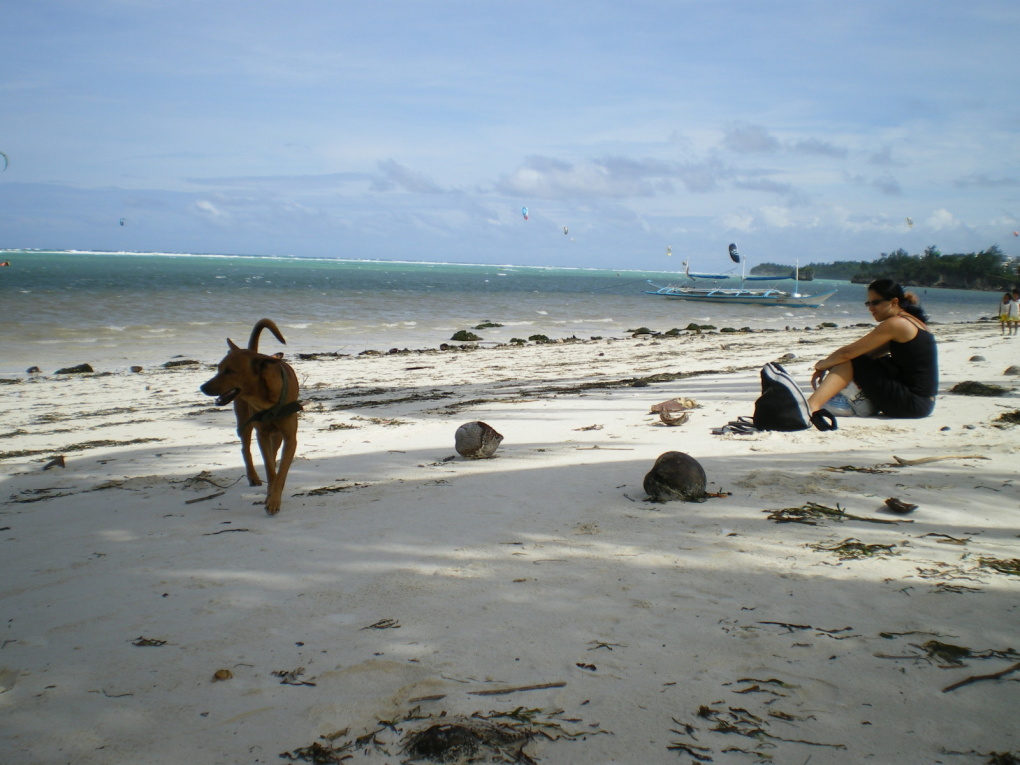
740	295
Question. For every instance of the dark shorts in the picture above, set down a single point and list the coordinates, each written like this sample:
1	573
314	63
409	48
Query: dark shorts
880	381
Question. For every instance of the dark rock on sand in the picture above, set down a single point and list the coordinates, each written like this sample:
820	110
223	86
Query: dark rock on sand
477	440
36	370
977	358
77	370
1014	370
676	475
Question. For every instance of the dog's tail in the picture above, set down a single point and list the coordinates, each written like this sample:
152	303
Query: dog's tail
261	324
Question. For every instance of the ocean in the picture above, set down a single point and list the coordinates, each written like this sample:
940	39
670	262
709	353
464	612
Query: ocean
117	310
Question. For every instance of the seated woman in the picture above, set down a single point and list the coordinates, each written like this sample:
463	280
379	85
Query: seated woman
896	364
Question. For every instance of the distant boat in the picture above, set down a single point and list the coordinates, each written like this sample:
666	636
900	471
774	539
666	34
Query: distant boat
739	295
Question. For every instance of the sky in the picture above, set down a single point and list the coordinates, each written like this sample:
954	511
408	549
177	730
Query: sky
801	130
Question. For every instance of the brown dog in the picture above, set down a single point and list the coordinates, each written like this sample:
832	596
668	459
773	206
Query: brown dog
264	390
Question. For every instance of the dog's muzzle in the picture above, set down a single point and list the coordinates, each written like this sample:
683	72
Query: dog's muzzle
224	398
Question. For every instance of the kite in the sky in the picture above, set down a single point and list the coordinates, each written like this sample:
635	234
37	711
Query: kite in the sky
524	212
565	231
122	221
734	255
910	222
669	251
1016	233
6	161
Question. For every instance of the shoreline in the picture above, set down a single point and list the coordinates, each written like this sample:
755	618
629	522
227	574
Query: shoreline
401	581
124	364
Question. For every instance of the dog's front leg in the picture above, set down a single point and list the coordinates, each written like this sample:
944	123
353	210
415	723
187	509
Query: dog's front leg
249	464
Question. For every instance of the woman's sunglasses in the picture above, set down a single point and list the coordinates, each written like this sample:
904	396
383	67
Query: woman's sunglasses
873	303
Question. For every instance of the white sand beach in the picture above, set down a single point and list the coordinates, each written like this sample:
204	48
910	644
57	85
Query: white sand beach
401	583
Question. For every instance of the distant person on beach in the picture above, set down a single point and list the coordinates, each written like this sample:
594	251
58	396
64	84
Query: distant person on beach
1004	307
1014	312
895	365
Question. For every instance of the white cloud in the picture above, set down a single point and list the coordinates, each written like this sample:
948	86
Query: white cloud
942	219
208	209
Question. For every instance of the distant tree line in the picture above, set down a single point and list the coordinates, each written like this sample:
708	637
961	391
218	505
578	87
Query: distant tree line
986	270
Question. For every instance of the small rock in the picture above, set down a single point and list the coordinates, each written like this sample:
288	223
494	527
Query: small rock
57	461
676	475
944	428
77	370
36	370
477	440
977	358
222	674
899	506
136	369
1014	370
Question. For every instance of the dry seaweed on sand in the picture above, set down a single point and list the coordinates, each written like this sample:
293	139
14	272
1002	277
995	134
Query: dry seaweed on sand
995	758
739	721
974	388
853	549
323	490
144	642
1002	565
945	539
812	513
1008	418
954	655
83	446
854	469
950	656
491	737
291	677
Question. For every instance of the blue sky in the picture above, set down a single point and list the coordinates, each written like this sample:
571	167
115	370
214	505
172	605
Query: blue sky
417	130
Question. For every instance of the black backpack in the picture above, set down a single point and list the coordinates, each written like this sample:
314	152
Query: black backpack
782	405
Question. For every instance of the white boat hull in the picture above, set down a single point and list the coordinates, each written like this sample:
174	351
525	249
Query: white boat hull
742	296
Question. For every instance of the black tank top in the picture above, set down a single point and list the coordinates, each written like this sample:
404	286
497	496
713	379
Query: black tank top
918	363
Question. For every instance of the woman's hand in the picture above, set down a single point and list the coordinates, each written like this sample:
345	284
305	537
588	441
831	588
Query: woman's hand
817	377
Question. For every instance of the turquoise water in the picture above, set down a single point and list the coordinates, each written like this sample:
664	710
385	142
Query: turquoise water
116	310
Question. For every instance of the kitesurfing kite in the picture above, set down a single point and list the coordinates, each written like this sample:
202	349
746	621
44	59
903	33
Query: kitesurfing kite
910	222
1016	233
6	161
565	231
122	221
669	251
524	212
734	255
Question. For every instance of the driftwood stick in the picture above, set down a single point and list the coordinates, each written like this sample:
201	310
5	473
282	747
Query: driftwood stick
976	678
498	691
203	499
925	460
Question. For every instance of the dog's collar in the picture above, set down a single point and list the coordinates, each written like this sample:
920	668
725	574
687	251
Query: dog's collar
277	412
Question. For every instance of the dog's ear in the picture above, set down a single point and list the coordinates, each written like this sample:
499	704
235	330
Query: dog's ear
231	346
261	362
